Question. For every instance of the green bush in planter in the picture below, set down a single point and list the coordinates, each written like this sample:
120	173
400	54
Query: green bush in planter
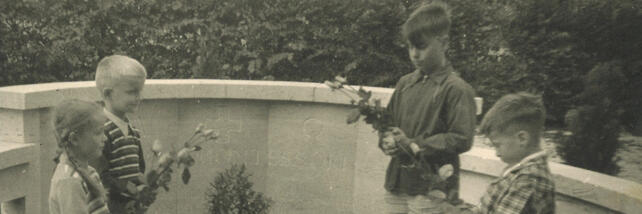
232	193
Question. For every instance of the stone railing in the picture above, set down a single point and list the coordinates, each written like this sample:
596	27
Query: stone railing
292	137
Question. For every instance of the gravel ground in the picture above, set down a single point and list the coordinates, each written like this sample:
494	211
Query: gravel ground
629	156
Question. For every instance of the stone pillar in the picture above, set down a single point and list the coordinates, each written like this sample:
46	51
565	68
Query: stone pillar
23	126
16	206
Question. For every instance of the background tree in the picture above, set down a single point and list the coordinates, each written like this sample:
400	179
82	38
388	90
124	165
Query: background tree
499	46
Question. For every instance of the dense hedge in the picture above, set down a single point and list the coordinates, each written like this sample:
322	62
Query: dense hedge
499	46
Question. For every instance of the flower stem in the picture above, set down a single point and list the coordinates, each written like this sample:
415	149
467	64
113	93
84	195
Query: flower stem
354	90
348	95
205	139
198	140
192	137
412	156
154	185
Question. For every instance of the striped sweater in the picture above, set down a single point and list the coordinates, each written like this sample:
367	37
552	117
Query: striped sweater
124	159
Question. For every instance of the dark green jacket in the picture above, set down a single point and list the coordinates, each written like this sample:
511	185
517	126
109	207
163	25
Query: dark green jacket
438	113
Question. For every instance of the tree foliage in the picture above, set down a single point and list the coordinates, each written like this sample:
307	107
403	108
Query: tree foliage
499	46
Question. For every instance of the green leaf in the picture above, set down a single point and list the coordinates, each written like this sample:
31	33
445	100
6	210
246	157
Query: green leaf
351	66
105	5
353	116
276	58
186	175
251	67
365	95
152	176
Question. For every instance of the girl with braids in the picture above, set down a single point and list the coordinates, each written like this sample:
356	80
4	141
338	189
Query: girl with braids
75	186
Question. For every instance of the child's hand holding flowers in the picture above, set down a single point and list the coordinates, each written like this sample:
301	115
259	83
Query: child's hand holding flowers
160	175
392	140
387	144
403	141
366	106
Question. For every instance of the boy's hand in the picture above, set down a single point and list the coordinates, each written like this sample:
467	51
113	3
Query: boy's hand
387	144
148	195
389	147
131	188
403	141
98	206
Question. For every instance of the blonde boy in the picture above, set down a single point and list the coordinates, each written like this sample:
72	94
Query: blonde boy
513	126
120	80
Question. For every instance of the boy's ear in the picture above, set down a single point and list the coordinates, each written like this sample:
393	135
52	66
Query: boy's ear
523	137
106	92
73	138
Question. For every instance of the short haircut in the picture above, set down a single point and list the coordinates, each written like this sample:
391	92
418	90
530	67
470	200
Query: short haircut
515	112
427	21
112	69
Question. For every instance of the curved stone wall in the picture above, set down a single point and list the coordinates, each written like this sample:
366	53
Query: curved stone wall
292	136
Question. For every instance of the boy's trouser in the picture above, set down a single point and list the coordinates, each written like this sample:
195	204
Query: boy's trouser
418	204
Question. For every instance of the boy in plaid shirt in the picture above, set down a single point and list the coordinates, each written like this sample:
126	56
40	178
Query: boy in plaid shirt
513	126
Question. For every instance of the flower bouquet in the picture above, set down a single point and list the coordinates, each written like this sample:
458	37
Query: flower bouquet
381	120
167	161
374	114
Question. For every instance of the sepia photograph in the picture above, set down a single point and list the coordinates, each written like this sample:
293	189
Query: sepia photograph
320	106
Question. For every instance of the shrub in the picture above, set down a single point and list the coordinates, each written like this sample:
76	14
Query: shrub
594	124
631	97
232	193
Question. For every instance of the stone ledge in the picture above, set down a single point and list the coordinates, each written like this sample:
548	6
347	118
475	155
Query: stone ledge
600	189
13	154
613	193
20	184
15	160
24	97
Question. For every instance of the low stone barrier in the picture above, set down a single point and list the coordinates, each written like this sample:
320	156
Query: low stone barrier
292	136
